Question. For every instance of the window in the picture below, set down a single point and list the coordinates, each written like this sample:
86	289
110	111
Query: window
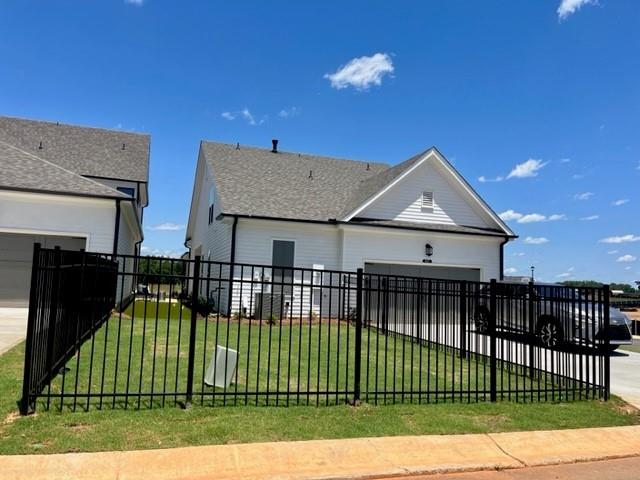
427	200
283	254
212	196
210	214
127	191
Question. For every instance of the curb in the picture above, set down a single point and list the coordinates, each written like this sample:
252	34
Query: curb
353	459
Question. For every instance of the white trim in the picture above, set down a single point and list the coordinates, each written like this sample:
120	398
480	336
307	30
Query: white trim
52	233
388	187
411	232
432	152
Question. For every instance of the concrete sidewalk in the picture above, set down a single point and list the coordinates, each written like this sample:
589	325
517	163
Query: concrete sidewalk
13	326
336	459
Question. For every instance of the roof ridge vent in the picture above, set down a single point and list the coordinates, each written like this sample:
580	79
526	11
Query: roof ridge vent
40	145
237	145
311	174
368	166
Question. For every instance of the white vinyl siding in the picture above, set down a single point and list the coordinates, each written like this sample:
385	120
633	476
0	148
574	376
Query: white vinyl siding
22	212
385	246
404	201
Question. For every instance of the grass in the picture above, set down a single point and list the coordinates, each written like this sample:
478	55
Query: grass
313	361
56	431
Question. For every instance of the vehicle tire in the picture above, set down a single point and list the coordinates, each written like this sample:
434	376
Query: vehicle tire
549	332
481	319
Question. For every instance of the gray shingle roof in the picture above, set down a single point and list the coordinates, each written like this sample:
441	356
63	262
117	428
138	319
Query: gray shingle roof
82	150
24	171
254	181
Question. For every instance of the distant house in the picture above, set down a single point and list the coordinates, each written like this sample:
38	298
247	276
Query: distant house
417	218
68	186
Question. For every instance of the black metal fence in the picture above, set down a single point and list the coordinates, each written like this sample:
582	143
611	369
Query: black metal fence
146	332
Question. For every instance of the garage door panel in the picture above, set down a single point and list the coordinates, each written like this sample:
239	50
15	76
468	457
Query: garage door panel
424	271
16	253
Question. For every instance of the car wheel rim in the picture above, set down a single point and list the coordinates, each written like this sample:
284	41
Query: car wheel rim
549	334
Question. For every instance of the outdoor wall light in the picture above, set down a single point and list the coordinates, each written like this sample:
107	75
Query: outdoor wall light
428	250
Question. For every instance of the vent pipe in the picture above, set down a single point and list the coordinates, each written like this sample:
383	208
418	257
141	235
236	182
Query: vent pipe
275	146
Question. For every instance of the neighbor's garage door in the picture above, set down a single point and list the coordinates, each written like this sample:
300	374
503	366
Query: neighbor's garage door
424	271
16	252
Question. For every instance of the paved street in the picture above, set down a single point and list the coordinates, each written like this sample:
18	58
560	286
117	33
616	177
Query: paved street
13	327
625	375
621	469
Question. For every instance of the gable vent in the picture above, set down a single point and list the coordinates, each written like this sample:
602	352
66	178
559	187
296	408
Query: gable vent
427	200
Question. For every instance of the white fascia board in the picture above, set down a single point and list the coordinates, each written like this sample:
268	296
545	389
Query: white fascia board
388	187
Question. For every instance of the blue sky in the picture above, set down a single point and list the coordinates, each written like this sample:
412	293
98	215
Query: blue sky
542	95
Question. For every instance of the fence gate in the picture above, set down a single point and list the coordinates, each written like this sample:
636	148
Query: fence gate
124	331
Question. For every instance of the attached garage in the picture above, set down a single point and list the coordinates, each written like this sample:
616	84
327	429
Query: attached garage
16	253
424	271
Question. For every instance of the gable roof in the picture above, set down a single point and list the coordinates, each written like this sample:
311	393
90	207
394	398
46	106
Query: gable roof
256	182
85	151
24	171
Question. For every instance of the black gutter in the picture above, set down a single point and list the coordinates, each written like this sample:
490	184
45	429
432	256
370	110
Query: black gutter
339	222
116	233
502	244
232	259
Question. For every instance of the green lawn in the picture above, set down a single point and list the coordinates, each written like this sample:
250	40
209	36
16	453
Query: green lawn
404	363
314	362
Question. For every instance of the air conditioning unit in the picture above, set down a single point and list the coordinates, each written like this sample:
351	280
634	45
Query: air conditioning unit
268	305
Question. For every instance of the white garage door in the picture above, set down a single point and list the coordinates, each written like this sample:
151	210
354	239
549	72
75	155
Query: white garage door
424	271
16	252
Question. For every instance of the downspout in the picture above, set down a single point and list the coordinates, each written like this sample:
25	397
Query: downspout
116	233
502	244
232	260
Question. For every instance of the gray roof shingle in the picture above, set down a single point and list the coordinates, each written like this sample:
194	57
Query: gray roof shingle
83	150
254	181
24	171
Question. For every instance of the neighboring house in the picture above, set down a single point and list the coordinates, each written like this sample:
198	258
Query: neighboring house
261	206
68	186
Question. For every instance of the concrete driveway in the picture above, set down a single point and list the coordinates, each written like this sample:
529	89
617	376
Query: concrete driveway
625	375
13	327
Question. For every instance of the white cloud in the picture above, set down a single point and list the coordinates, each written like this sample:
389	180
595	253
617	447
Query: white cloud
510	270
577	176
166	227
527	169
362	72
483	179
535	240
612	252
568	7
157	252
245	114
290	112
519	254
565	160
621	239
510	215
137	3
590	217
627	268
530	217
626	259
583	196
564	275
622	201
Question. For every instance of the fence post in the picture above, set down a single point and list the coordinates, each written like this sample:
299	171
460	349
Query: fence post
53	312
463	319
358	353
195	295
607	350
531	327
492	341
28	353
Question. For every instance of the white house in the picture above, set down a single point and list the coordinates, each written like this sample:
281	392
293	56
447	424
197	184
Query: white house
68	186
261	206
